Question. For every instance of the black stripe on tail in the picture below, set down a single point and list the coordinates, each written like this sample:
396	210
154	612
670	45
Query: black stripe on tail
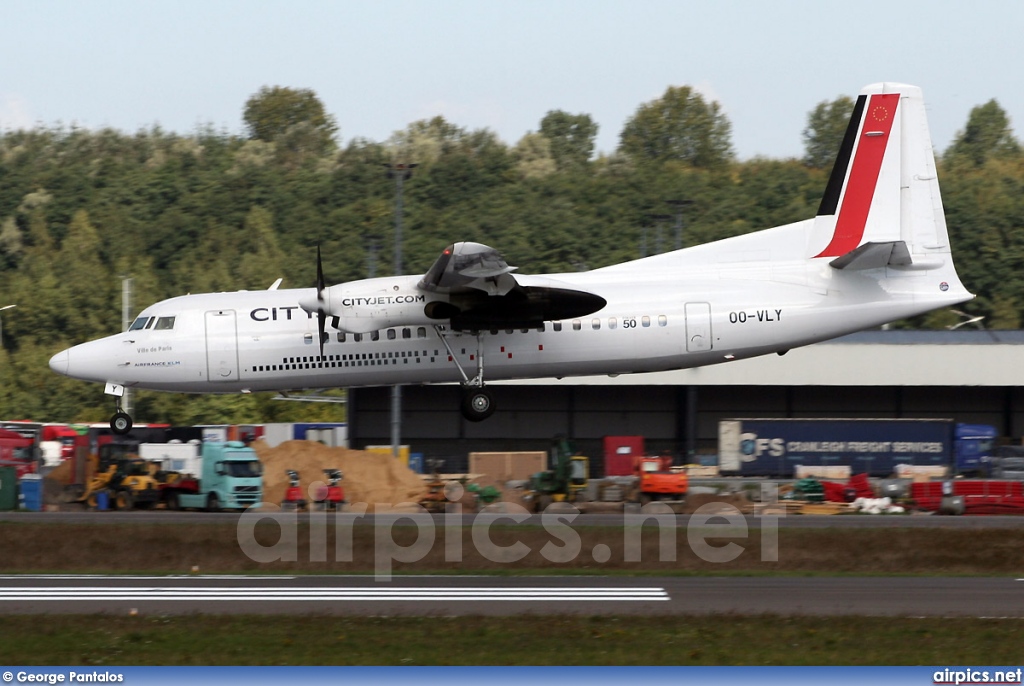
834	189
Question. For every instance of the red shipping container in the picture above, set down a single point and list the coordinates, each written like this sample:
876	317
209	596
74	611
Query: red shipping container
619	452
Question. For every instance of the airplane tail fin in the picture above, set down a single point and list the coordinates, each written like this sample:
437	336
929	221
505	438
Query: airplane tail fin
882	206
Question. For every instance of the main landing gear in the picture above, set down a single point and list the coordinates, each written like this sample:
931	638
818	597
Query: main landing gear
477	401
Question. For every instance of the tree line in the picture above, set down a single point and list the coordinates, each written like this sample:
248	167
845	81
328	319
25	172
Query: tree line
80	210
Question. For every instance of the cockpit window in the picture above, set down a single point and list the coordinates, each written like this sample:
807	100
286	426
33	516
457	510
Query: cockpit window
139	323
164	323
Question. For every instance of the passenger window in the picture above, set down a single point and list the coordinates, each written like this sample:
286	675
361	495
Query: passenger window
392	335
557	326
662	320
612	323
596	324
358	337
421	332
341	337
375	335
164	323
576	325
406	333
646	321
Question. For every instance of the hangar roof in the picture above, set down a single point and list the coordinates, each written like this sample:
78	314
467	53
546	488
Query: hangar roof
868	358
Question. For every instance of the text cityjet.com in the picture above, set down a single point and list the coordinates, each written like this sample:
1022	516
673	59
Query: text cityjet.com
977	676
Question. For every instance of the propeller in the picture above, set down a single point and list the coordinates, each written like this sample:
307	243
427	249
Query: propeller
321	316
318	306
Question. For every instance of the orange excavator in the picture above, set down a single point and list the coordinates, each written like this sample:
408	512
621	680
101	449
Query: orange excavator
657	481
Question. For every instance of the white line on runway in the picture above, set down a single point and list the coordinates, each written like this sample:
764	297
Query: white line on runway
333	593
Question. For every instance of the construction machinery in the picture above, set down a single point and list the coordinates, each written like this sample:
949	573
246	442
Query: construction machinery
119	476
567	475
434	500
656	480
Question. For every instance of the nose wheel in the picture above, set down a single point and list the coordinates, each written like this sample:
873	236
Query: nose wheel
121	422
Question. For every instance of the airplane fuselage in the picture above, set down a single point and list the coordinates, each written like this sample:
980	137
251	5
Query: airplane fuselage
657	317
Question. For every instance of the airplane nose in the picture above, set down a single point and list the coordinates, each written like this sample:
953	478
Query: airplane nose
59	362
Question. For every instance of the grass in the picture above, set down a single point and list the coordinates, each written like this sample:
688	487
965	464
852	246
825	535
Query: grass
98	641
214	549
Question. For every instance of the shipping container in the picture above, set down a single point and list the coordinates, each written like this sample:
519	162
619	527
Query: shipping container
775	447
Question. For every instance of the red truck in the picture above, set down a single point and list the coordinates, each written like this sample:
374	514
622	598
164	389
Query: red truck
18	451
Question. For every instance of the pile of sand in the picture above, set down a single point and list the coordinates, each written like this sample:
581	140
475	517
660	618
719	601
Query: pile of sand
368	478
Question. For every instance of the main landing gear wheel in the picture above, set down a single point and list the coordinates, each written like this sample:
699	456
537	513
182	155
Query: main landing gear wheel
121	423
477	404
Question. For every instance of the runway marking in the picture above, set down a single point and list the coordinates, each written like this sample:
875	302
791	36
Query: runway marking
87	593
147	577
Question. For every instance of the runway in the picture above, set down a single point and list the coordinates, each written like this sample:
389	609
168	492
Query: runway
497	596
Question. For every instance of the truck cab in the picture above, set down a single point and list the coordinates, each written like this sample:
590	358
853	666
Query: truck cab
231	477
974	446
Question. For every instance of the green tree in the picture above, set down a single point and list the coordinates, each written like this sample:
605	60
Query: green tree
276	112
987	134
533	156
680	126
262	266
87	280
571	136
424	142
826	125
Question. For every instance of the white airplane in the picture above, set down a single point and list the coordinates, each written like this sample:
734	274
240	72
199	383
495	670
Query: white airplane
877	251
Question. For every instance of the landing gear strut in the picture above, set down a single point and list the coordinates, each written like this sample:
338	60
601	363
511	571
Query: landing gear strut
477	402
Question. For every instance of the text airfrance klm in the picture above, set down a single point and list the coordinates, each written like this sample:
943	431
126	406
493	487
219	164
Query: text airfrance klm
742	317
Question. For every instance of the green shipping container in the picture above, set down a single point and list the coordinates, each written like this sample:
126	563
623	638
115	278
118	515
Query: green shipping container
8	488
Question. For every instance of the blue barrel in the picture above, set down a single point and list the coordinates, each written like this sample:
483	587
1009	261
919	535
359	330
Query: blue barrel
32	492
416	462
102	500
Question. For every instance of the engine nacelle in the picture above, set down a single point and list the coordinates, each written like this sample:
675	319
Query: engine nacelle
372	304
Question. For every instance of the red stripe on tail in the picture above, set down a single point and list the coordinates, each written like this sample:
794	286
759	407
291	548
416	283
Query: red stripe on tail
860	189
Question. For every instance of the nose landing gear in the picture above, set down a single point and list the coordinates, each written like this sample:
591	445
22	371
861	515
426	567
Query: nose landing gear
121	422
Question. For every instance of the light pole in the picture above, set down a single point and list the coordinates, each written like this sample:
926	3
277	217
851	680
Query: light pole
680	205
690	405
659	245
5	307
400	173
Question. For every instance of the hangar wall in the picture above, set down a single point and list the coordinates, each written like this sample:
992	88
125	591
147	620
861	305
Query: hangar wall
969	376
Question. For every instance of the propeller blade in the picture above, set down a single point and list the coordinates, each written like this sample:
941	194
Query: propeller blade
321	316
